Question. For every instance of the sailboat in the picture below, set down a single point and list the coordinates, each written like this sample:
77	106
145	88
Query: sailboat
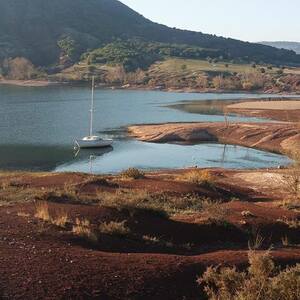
92	141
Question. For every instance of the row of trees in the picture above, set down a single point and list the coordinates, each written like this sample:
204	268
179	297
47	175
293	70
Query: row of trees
250	81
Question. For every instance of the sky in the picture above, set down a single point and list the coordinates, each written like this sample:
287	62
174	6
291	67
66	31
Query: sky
248	20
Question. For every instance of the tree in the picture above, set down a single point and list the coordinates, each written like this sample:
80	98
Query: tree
68	47
20	68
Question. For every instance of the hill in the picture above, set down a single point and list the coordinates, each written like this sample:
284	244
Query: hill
41	30
295	46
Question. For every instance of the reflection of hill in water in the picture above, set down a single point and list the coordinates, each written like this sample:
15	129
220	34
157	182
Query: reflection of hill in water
42	158
209	107
33	157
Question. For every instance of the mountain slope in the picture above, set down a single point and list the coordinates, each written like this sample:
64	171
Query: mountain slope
295	46
32	28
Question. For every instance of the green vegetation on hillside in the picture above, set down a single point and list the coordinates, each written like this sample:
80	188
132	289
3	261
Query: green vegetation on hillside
134	54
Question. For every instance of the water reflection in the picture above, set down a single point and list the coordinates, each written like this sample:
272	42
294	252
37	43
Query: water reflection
33	157
90	155
131	153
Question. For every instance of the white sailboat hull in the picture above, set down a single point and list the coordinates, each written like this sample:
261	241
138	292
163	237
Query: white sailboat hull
99	143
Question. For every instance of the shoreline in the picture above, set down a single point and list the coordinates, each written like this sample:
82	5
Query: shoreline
46	83
282	136
276	137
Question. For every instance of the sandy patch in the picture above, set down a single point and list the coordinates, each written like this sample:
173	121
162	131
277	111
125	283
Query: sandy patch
272	105
259	180
26	83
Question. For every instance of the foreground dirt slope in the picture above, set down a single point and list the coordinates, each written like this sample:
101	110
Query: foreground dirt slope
40	260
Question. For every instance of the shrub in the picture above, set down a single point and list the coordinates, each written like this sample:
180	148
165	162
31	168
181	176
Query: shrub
114	228
132	173
200	177
261	281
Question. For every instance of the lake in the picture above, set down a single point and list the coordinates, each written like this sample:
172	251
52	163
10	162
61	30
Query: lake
38	127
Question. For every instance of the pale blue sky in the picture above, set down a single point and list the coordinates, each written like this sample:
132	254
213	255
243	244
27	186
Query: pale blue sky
249	20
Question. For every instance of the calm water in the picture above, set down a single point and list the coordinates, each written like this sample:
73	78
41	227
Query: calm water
38	127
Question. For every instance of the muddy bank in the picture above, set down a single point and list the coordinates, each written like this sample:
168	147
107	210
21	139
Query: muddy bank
274	137
283	110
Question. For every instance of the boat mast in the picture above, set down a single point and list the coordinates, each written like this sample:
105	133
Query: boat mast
92	106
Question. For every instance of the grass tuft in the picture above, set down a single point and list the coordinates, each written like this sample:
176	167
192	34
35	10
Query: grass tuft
114	228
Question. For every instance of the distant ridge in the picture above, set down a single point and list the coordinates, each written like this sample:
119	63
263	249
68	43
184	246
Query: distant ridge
32	29
295	46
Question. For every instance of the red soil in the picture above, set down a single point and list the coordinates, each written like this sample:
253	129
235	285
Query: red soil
43	261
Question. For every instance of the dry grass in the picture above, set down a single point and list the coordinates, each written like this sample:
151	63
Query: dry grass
285	241
82	228
159	203
292	223
5	184
23	214
291	204
256	242
42	211
291	180
60	220
247	214
151	239
200	177
132	173
261	281
214	211
114	228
